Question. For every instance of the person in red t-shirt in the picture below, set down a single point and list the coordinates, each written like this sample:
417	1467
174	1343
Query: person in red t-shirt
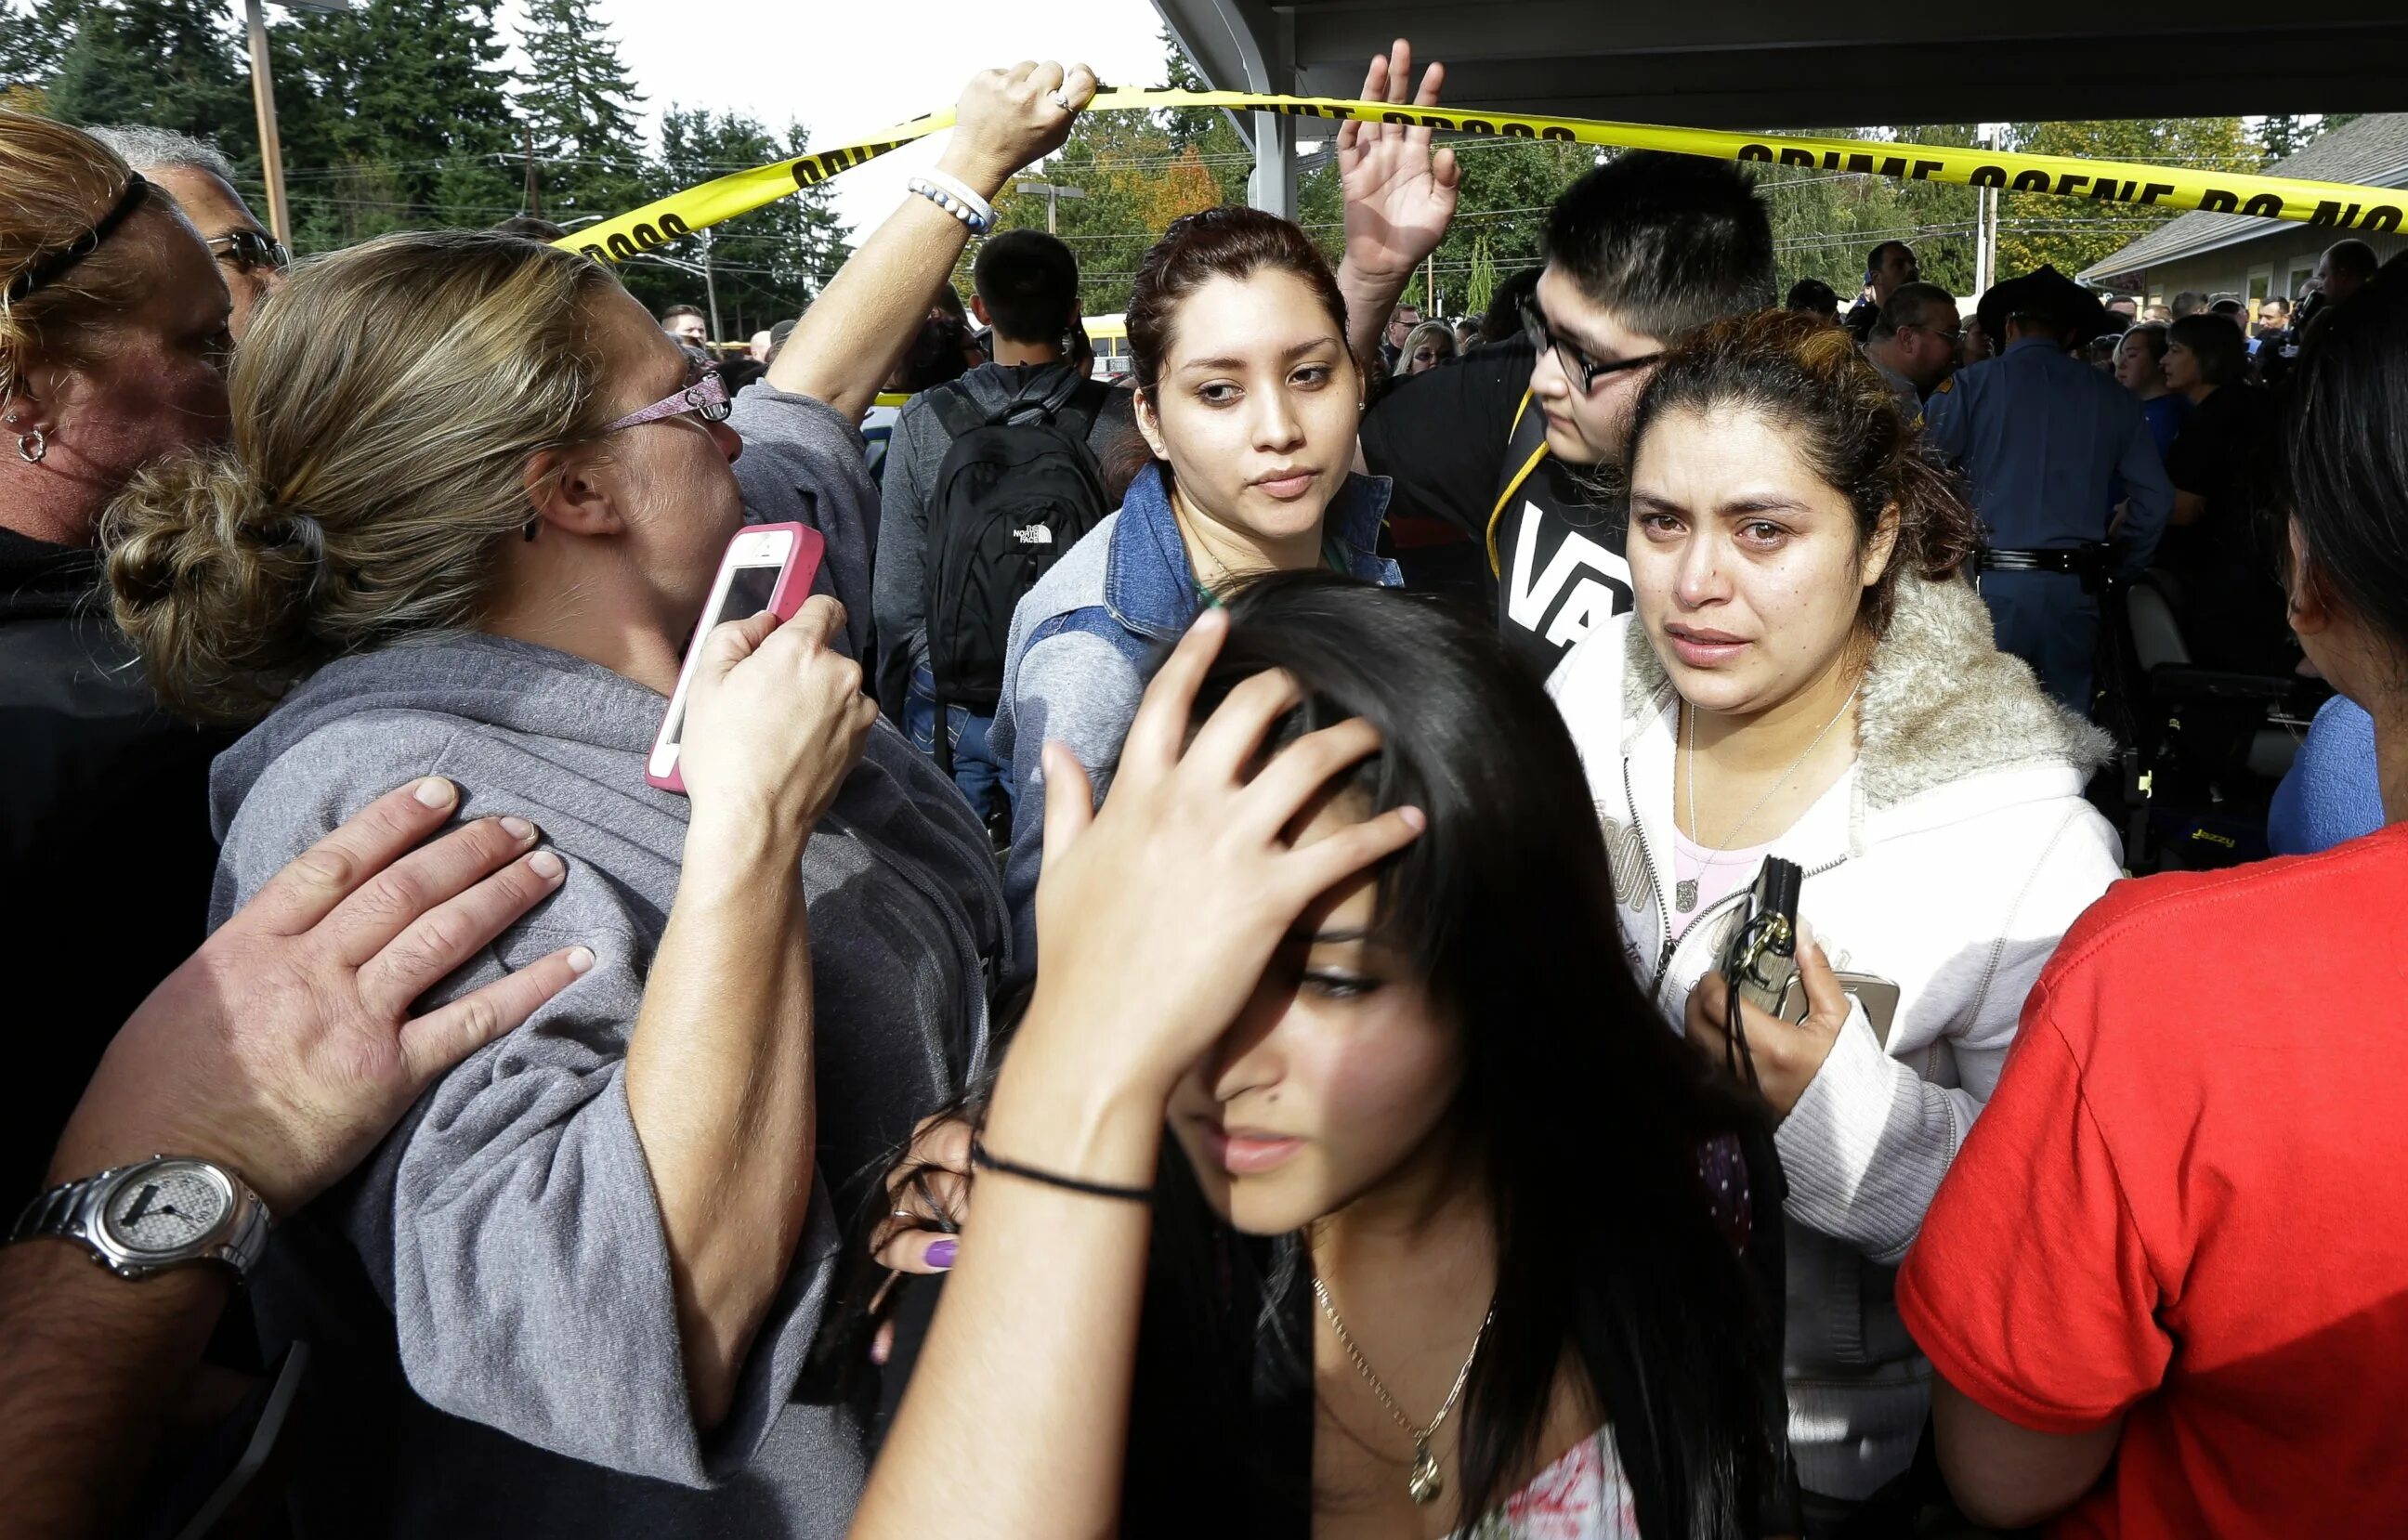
2178	1237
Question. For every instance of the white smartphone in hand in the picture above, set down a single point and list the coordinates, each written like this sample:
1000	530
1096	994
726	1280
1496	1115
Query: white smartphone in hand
767	567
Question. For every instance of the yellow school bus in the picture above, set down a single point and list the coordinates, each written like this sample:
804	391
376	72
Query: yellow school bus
1110	333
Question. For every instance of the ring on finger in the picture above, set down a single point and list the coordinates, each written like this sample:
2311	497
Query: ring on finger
1062	100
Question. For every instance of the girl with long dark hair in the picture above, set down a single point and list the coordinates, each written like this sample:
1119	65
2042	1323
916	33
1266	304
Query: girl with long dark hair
1340	1175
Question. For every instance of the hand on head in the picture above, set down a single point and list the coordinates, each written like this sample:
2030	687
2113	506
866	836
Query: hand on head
1157	915
285	1048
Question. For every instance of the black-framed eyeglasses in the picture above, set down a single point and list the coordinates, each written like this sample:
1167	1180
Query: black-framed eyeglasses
248	251
1582	370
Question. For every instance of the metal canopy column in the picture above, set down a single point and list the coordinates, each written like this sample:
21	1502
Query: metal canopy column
1245	44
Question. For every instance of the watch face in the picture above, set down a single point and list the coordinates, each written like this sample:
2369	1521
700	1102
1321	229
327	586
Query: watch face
167	1206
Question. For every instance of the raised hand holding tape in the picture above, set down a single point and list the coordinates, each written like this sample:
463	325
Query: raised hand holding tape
2337	204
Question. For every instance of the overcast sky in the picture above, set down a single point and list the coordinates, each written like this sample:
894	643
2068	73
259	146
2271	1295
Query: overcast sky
847	70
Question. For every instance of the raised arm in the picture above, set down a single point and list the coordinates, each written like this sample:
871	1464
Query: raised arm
719	1075
1399	199
1016	1419
851	338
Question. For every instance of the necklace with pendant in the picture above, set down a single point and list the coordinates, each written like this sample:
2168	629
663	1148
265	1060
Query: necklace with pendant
1684	890
1424	1482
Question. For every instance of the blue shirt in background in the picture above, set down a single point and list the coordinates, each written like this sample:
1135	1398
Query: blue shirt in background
2042	437
2332	793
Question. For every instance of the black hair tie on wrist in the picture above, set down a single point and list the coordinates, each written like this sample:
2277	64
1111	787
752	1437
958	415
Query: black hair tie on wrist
982	1160
50	268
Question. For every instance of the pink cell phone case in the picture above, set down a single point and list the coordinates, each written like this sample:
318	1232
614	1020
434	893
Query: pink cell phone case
794	581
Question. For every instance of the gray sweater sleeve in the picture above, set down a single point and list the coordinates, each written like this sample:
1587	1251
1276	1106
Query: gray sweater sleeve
899	581
1075	689
510	1221
803	464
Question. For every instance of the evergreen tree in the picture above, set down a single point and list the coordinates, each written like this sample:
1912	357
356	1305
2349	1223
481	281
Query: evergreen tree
395	116
34	38
1218	146
164	64
767	264
580	107
2282	135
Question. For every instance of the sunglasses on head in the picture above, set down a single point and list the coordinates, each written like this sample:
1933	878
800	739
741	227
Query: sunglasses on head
248	251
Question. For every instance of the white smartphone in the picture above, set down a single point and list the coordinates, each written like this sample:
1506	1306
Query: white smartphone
768	566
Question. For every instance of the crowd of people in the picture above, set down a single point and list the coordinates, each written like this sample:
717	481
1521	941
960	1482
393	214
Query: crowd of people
1188	987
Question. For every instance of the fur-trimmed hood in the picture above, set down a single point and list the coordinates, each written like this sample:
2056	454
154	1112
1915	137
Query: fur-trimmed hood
1959	855
1940	703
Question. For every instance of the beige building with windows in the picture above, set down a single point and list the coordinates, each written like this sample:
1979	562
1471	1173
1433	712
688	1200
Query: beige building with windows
2254	258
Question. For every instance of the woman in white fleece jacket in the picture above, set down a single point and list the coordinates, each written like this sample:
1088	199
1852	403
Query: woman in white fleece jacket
1806	676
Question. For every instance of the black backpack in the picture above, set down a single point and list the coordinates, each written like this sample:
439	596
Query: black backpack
1017	490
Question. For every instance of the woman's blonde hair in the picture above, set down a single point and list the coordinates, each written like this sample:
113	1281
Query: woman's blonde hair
384	409
1434	330
56	183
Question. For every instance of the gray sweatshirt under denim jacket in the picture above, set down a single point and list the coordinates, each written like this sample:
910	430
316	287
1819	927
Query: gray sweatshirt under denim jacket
488	1299
1081	645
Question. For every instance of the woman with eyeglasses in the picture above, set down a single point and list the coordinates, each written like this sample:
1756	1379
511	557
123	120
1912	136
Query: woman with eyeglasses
473	508
1806	676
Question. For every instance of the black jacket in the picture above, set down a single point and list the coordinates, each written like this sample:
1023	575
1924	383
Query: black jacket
106	856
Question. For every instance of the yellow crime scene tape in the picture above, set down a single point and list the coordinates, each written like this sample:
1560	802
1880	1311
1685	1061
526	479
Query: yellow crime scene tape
2337	204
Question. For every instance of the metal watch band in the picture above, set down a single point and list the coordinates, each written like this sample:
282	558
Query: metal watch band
70	1211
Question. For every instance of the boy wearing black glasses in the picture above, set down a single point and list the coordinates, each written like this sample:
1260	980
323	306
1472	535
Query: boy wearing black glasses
1518	447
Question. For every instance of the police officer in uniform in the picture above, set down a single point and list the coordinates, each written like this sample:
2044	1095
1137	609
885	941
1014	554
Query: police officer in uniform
1507	463
2042	437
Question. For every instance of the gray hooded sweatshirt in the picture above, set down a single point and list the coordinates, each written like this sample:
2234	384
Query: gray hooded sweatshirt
488	1298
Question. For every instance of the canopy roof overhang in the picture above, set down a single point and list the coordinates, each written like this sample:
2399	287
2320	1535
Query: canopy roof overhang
1751	63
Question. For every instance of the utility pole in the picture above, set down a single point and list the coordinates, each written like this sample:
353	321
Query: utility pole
1985	236
534	183
271	149
1430	285
710	285
1054	192
263	97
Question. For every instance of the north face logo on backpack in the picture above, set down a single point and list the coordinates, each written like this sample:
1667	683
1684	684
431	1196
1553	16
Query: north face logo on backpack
1018	488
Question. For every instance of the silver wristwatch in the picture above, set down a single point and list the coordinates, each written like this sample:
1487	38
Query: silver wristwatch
168	1211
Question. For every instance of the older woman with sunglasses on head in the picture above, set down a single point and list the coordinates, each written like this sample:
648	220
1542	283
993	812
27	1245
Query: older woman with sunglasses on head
473	509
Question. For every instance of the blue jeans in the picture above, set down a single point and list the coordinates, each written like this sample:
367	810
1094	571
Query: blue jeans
975	770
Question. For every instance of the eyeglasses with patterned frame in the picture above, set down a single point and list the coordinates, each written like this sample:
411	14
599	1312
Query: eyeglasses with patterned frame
704	396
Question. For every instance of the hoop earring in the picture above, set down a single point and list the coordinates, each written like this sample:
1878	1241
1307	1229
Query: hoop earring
32	445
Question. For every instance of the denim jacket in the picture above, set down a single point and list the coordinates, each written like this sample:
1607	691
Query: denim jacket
1081	644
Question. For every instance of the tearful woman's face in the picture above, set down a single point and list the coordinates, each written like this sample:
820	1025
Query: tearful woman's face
1746	565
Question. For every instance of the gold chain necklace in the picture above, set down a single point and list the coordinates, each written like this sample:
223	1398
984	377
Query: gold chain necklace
1424	1482
1685	892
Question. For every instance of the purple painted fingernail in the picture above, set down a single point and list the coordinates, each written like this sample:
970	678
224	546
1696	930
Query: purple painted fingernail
941	1256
